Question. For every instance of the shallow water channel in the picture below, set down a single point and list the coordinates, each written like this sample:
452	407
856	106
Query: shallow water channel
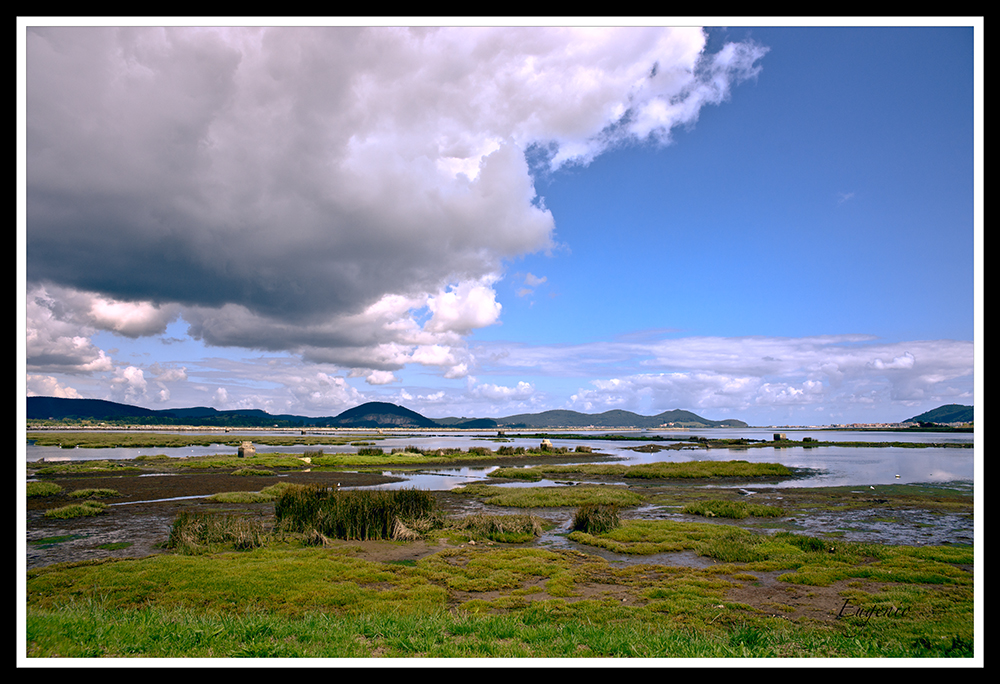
861	469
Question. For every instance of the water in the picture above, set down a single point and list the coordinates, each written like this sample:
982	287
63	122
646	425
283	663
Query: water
827	465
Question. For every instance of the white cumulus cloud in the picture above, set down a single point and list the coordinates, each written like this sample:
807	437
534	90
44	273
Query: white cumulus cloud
346	194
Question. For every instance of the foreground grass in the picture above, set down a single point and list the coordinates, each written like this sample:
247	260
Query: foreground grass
290	600
552	630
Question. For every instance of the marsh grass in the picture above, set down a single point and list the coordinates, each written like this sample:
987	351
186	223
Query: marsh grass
652	471
242	497
93	493
523	474
267	494
291	601
596	518
40	489
357	514
808	560
511	529
541	630
719	508
545	497
135	439
194	533
253	472
90	468
77	510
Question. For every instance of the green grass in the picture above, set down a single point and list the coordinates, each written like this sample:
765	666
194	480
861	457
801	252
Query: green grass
595	518
808	560
93	493
360	514
547	630
545	497
77	510
195	533
510	529
651	471
265	495
142	440
253	472
242	497
39	489
366	454
285	600
97	467
718	508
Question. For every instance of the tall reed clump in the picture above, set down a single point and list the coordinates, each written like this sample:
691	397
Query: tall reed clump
596	518
194	533
353	515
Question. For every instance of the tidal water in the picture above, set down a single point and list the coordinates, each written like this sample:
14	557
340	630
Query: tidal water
824	466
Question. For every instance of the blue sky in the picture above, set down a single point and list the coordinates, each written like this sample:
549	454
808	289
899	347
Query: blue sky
776	224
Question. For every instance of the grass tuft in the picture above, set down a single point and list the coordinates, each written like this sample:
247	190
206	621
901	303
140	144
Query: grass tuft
194	533
92	493
250	472
77	510
43	489
509	529
596	518
354	515
719	508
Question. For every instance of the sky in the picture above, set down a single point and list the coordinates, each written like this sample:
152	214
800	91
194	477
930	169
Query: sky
780	224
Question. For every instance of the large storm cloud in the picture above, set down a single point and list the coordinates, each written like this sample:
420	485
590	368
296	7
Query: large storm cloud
348	194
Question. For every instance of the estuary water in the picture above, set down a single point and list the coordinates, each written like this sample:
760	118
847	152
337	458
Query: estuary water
826	465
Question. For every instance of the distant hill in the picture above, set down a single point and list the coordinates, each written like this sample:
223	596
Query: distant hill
949	413
57	408
369	415
377	414
613	419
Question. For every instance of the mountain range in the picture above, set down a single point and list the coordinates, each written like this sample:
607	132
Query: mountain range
368	415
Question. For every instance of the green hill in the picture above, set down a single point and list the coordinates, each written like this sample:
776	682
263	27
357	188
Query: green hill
949	413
